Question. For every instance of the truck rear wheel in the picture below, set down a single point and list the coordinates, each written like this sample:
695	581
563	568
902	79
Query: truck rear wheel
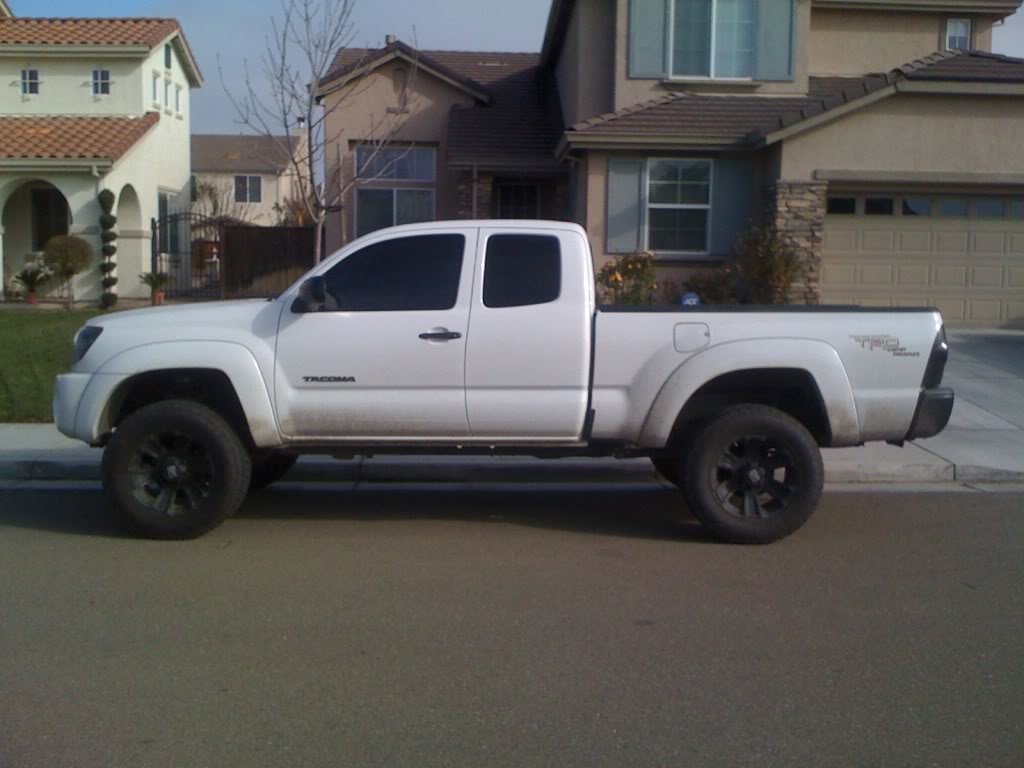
175	469
754	475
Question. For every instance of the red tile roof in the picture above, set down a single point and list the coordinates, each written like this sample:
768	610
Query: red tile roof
26	31
72	138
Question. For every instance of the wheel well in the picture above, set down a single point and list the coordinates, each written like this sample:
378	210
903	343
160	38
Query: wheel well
210	387
791	390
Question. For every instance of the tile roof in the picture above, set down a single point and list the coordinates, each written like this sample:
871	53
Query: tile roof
27	31
215	153
724	120
72	138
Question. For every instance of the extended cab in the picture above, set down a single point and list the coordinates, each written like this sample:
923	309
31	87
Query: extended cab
486	337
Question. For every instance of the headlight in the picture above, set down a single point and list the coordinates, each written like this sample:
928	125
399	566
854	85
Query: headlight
84	339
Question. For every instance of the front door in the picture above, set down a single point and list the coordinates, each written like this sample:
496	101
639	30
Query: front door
385	358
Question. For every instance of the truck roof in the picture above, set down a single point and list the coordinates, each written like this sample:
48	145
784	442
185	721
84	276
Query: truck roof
532	224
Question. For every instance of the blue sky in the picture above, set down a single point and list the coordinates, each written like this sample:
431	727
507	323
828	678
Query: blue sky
235	29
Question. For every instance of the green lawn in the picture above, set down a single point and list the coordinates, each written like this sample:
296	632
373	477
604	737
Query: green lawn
35	345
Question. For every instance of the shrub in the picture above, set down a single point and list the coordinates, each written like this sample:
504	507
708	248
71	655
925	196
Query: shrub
629	279
33	276
108	237
769	265
108	221
108	282
106	199
67	256
714	286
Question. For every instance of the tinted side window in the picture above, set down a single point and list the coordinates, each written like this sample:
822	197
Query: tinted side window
401	275
520	270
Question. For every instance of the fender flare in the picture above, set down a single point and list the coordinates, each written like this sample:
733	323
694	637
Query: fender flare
232	359
817	358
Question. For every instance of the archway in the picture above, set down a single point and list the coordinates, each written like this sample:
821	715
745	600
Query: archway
33	211
133	253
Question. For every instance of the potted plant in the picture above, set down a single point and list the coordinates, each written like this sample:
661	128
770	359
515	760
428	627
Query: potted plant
32	278
156	281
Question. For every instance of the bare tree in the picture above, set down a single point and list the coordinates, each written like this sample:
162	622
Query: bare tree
217	201
299	56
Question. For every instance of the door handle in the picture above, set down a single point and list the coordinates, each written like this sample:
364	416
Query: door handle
440	334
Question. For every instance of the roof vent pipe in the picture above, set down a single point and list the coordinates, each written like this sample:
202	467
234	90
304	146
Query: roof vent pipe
390	39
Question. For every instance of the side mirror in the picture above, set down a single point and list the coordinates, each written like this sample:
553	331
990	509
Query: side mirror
312	295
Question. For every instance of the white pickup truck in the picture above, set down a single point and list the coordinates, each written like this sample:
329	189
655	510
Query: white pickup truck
485	337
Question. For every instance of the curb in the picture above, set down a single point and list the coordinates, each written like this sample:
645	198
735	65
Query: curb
505	471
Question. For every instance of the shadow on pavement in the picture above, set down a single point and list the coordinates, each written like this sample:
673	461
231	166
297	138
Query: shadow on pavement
648	514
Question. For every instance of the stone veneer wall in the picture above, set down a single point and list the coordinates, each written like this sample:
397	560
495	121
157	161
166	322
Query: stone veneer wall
799	209
484	196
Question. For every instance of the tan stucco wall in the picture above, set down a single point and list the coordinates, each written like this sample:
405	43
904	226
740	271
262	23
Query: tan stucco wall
275	189
629	91
585	68
855	42
365	105
914	133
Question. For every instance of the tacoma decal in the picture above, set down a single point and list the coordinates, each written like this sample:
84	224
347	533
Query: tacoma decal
890	344
329	379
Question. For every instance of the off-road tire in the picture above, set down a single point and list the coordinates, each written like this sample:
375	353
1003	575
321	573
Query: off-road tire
177	450
754	475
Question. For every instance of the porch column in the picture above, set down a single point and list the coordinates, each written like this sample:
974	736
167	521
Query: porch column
798	210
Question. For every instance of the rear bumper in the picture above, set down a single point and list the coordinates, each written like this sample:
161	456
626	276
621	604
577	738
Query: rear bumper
934	407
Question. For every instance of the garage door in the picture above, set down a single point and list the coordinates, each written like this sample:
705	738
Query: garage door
963	254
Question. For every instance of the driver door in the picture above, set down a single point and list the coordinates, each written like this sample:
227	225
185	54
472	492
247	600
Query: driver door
384	360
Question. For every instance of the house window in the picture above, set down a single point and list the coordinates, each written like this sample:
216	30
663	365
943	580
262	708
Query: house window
953	209
168	56
842	206
50	216
518	201
879	206
30	82
169	237
396	163
101	82
177	99
713	38
167	94
405	274
958	34
678	205
378	208
156	87
248	189
988	208
522	271
917	206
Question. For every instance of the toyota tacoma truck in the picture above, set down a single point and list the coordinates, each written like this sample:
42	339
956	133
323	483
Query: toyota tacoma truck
486	338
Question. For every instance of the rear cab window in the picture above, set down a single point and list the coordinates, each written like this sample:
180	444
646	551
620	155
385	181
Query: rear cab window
522	270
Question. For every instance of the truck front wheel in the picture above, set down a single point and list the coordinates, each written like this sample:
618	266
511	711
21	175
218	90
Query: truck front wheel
754	475
176	469
268	468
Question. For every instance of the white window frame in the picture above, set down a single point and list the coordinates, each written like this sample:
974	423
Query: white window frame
27	81
157	77
411	148
709	207
670	34
248	186
98	81
970	30
177	99
394	203
167	95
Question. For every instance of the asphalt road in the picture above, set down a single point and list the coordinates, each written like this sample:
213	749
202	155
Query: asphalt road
388	628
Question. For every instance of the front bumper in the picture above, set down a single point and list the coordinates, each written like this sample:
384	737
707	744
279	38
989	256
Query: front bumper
67	396
934	408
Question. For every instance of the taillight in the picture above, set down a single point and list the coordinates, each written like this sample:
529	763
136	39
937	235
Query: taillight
937	361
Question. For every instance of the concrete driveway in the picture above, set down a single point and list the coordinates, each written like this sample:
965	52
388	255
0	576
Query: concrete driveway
985	437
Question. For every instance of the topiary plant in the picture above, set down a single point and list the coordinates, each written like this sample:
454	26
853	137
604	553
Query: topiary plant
109	237
67	256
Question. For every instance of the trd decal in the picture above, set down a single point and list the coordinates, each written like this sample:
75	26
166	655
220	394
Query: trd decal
329	379
890	344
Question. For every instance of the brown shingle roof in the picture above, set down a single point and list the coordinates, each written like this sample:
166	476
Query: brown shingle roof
732	120
215	153
72	138
148	32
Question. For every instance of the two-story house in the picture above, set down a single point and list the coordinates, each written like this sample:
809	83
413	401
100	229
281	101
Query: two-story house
251	178
88	105
883	138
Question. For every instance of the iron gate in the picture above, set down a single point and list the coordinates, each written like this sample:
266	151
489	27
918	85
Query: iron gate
189	249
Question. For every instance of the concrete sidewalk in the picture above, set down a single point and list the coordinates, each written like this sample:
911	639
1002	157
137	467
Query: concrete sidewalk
984	442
